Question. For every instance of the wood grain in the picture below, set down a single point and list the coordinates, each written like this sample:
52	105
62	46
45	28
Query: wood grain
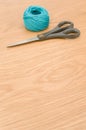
43	84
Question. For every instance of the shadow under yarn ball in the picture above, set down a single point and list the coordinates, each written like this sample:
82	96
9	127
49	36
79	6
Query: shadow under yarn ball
36	18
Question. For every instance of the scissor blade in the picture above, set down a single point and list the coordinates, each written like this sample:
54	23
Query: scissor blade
24	42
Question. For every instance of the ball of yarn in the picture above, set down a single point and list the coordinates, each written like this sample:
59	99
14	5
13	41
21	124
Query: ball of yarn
36	18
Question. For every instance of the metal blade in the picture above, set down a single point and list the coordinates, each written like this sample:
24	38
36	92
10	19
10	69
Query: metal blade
24	42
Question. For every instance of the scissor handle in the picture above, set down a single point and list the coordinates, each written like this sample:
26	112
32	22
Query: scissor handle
62	30
60	27
70	33
65	25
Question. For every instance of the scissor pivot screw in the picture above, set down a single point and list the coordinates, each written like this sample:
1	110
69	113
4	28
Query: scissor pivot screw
41	36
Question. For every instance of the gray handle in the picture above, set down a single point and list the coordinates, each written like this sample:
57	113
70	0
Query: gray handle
60	27
69	33
62	30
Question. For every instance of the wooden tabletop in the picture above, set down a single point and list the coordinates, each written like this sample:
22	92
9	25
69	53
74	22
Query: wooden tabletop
43	84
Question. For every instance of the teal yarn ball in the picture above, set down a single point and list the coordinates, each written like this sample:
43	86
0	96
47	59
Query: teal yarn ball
36	18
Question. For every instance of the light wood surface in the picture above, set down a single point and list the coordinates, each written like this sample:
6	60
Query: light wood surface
43	84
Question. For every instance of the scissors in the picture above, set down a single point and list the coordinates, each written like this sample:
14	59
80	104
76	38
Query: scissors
64	29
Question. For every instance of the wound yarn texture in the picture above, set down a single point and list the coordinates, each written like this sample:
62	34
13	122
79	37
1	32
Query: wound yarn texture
36	18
